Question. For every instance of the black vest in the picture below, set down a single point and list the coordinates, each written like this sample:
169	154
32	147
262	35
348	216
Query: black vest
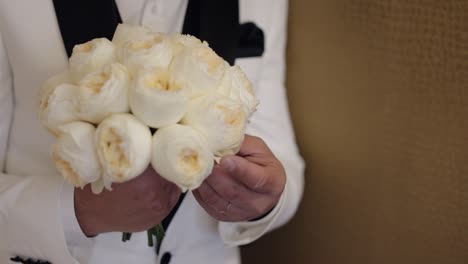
215	21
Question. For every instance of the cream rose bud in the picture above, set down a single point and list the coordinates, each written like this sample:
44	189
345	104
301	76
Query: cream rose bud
104	92
154	50
123	146
220	119
90	56
74	154
181	155
58	103
126	32
237	86
155	99
199	70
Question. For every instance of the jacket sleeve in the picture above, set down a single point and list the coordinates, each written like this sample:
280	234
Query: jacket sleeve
272	123
30	218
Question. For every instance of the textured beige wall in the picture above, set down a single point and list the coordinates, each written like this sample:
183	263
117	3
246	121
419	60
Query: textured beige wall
379	97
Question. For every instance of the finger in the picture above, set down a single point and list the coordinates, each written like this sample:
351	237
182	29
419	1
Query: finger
255	150
253	176
216	206
253	146
211	197
227	217
237	193
231	214
213	213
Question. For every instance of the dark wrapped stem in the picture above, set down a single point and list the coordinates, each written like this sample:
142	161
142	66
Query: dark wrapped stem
126	236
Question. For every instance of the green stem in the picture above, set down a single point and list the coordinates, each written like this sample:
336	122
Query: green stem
158	231
150	238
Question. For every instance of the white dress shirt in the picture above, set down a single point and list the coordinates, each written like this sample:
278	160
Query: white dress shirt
37	216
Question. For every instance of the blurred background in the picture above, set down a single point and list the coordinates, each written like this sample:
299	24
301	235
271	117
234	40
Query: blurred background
378	91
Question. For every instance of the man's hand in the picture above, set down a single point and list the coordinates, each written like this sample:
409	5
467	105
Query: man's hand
243	187
133	206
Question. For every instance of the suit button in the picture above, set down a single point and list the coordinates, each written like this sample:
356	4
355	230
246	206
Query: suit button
166	258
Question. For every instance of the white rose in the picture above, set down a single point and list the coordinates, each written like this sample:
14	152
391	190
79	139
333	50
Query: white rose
104	92
74	154
90	56
58	103
181	155
237	86
49	85
156	100
154	50
220	119
123	146
182	42
199	70
126	32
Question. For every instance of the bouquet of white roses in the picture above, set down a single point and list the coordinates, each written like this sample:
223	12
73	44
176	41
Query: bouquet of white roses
102	109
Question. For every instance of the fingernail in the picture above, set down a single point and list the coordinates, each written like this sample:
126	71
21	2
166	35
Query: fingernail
228	164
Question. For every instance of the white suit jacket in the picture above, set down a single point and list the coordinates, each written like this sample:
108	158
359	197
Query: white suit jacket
37	217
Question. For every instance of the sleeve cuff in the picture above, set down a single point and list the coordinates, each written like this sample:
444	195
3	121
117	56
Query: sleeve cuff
242	233
74	236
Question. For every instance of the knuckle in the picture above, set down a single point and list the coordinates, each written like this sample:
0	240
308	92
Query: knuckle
260	140
277	188
280	189
232	193
278	184
255	138
259	209
277	191
261	183
209	197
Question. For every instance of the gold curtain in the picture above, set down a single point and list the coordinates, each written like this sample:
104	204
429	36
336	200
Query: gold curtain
378	92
